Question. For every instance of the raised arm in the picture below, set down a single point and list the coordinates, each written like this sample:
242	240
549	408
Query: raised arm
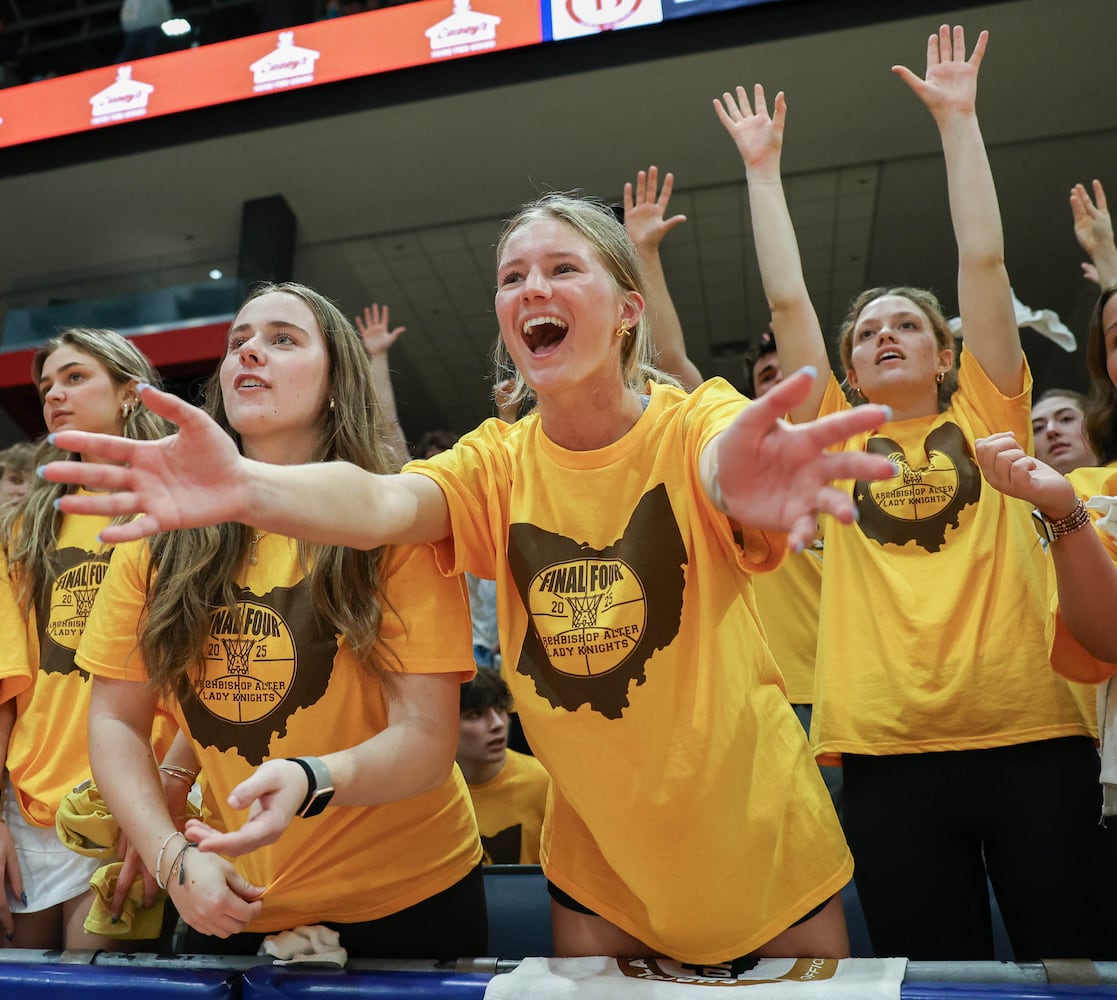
412	755
949	92
1087	577
645	219
759	139
1093	228
375	331
197	477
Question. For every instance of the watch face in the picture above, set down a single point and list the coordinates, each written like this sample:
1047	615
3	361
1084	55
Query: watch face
1043	527
318	803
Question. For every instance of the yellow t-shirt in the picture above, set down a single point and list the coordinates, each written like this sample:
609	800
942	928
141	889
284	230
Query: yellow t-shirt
788	602
48	753
685	805
280	683
935	631
510	810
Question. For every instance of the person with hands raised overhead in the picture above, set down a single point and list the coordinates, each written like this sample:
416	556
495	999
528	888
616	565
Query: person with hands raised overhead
621	520
646	222
962	752
319	703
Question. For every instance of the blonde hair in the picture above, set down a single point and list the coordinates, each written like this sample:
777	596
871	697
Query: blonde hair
192	572
29	527
594	222
932	309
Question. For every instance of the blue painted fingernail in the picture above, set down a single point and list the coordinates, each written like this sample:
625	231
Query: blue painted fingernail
39	471
856	514
140	386
797	546
809	370
887	413
50	438
23	898
115	920
56	503
895	469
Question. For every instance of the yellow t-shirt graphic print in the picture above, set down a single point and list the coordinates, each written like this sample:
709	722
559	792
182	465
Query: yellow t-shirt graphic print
262	662
63	608
926	496
598	616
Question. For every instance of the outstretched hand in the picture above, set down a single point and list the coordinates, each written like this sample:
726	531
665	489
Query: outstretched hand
272	795
950	83
758	134
777	476
645	212
1010	469
182	481
373	327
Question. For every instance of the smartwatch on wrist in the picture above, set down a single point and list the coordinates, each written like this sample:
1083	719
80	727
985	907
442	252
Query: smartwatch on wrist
319	786
1054	530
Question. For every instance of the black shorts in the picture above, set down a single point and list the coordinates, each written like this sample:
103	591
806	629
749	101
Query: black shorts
569	902
449	924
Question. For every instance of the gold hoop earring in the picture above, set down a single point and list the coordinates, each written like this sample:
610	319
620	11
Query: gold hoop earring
333	404
857	389
126	410
939	376
622	330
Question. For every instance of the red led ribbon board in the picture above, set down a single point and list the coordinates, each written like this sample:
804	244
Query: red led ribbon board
379	41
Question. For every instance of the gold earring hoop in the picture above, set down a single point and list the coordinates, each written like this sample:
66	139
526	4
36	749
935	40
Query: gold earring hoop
622	330
126	410
333	404
939	376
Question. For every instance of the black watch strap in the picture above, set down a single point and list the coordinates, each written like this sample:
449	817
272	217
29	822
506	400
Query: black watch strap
319	786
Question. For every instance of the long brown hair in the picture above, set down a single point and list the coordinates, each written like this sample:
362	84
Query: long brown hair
1101	411
29	528
192	572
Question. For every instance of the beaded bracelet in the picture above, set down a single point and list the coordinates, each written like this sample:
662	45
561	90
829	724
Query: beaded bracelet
159	858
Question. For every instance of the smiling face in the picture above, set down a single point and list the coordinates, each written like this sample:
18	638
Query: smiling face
78	393
559	309
1060	439
895	355
275	378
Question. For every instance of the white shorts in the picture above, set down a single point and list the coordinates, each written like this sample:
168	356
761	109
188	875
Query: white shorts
52	873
